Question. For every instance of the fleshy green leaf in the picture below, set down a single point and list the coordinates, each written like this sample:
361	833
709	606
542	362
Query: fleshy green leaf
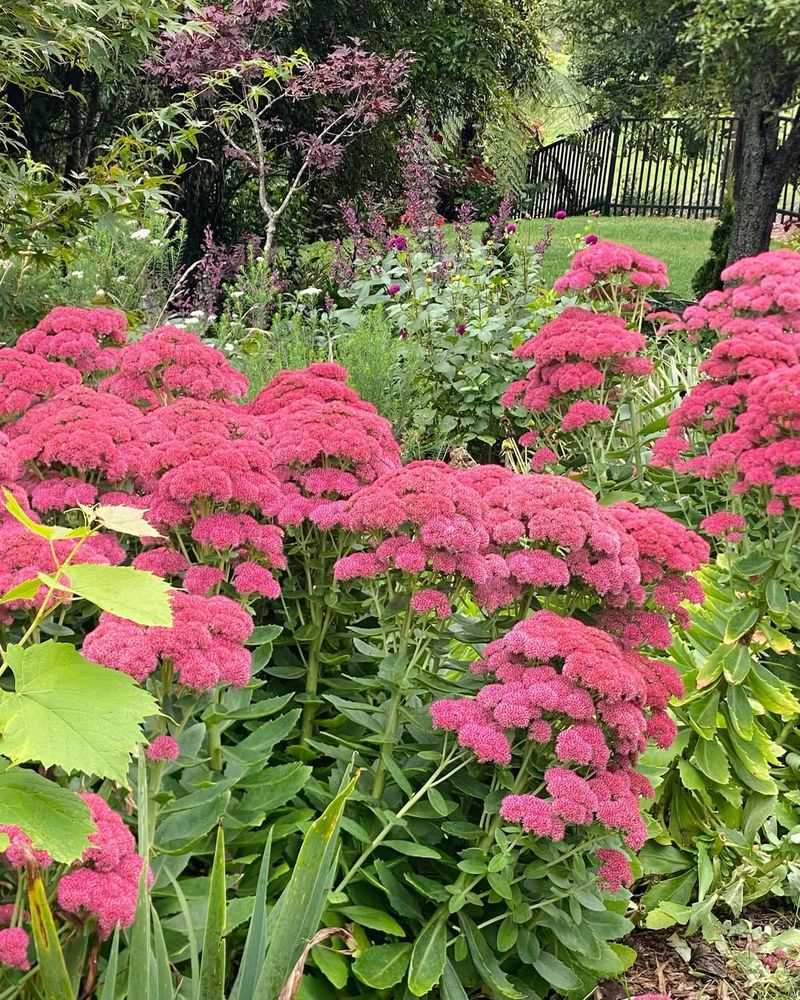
428	956
134	594
555	972
55	819
486	963
382	966
68	712
375	919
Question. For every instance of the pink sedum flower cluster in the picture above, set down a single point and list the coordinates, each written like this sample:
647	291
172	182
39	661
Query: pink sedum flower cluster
606	270
587	706
756	321
87	339
204	646
106	883
169	363
418	518
14	943
326	442
583	363
27	379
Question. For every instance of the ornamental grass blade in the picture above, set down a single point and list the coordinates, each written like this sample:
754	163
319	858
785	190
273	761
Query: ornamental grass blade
52	967
162	976
139	953
255	946
109	990
297	914
292	984
211	985
139	962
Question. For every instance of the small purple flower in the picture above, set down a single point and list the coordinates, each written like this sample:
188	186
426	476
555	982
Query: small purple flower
461	328
511	227
403	334
591	239
561	214
393	289
397	242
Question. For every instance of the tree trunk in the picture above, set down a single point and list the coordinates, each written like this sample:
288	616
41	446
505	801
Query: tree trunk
762	165
758	182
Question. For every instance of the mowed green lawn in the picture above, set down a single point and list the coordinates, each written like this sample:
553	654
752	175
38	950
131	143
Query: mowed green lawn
682	243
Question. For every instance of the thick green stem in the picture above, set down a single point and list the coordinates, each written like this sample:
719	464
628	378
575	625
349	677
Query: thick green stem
465	882
214	737
434	780
393	712
313	675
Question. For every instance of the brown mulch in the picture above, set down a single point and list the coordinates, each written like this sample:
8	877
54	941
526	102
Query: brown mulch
707	976
660	969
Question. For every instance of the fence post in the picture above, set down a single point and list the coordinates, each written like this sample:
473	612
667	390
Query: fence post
611	170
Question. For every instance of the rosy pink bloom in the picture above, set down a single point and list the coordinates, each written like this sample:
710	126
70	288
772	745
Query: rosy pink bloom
202	579
27	379
615	871
431	600
724	524
205	643
87	339
605	262
83	431
106	884
169	363
250	578
14	942
584	412
20	852
420	516
163	748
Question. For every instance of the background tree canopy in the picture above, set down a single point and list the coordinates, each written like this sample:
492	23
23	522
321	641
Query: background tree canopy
76	71
700	58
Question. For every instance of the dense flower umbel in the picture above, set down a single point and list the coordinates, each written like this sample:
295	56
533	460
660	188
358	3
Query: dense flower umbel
187	417
761	292
419	518
764	450
605	269
668	553
581	362
27	379
169	363
725	525
83	433
106	884
757	320
201	474
325	448
204	645
549	532
14	942
87	339
324	381
589	707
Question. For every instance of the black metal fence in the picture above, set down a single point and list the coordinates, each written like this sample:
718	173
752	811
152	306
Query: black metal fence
636	167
